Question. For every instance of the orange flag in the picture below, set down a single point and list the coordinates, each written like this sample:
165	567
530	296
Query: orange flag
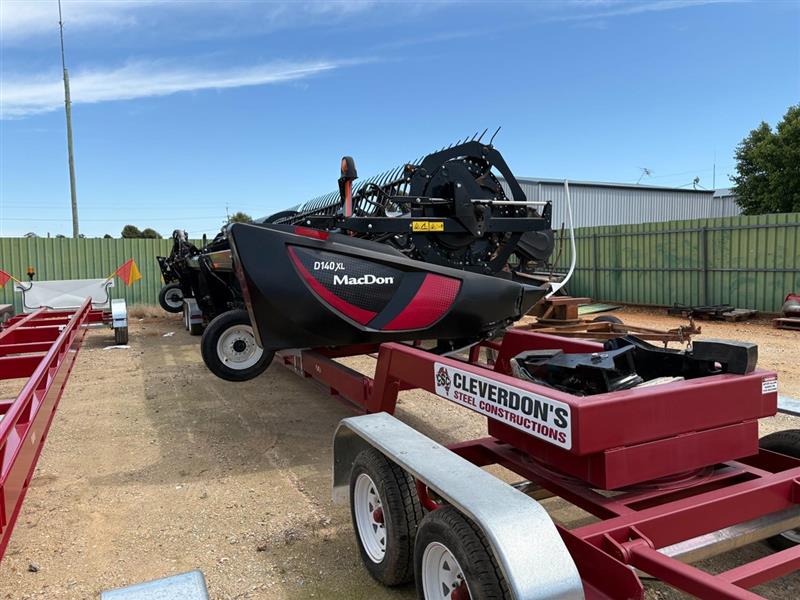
129	272
4	278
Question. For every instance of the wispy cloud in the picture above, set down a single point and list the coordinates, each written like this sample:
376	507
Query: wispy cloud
21	20
603	9
22	96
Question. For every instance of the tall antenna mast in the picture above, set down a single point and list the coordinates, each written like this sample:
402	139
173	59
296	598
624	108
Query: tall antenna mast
68	109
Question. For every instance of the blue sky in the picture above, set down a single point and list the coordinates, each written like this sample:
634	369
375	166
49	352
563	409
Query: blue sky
183	108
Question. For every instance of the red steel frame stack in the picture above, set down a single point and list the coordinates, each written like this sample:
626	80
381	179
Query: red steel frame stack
682	457
40	347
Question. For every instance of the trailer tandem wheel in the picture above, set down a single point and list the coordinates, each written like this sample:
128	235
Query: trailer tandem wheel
170	297
453	560
120	336
783	442
385	514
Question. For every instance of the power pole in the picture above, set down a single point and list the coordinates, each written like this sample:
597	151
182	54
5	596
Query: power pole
68	109
714	176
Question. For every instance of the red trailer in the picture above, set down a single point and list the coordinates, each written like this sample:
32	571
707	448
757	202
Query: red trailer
670	473
39	348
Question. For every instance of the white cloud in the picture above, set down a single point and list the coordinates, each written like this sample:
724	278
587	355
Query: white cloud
20	19
598	9
24	19
24	95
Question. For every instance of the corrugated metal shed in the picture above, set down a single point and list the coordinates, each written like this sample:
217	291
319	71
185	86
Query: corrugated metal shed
598	203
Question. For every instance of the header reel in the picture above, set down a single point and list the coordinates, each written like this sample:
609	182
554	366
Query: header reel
447	208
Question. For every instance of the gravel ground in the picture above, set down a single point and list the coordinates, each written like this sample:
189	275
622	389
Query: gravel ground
154	467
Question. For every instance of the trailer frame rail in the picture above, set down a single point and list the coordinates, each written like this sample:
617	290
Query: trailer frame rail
41	347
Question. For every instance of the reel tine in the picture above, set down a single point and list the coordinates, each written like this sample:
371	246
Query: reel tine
480	137
494	134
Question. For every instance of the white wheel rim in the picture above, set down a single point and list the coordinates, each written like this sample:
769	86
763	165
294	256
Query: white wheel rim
442	575
237	348
370	518
174	298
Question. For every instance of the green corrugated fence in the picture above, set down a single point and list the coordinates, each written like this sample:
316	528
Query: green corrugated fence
66	258
749	262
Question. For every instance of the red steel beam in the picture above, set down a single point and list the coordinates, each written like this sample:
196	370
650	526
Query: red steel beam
26	419
17	367
764	569
686	577
24	348
19	321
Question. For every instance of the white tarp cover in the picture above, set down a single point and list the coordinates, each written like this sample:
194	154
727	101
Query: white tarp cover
64	295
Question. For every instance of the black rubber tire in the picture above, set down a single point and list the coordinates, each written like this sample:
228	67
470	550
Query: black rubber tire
607	319
784	442
170	289
208	348
402	514
468	545
121	335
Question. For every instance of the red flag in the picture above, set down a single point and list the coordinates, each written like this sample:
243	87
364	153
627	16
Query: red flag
129	272
4	278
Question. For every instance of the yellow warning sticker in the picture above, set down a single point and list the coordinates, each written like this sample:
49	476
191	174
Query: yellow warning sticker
427	225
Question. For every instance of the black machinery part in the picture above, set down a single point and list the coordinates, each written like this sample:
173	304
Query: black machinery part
627	361
454	190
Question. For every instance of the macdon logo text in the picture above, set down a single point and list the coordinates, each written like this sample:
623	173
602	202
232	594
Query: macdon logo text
363	280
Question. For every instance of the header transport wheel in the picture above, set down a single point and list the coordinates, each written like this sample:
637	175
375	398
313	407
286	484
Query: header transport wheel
385	513
171	297
230	350
453	560
783	442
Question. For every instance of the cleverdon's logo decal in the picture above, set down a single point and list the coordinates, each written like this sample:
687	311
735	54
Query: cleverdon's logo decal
540	416
367	279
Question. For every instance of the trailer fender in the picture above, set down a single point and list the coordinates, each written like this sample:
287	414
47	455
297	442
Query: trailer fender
119	313
533	558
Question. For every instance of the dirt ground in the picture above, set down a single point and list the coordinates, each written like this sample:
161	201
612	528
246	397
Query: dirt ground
154	467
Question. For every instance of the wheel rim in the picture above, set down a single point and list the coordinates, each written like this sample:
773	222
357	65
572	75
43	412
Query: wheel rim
442	576
237	348
793	535
174	298
370	522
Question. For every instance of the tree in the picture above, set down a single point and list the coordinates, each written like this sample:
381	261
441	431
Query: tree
131	231
240	217
150	233
108	237
768	167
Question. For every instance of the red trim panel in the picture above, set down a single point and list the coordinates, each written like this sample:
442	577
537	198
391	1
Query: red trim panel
433	299
359	315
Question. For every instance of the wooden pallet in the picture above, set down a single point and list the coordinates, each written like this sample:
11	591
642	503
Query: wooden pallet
786	323
739	314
